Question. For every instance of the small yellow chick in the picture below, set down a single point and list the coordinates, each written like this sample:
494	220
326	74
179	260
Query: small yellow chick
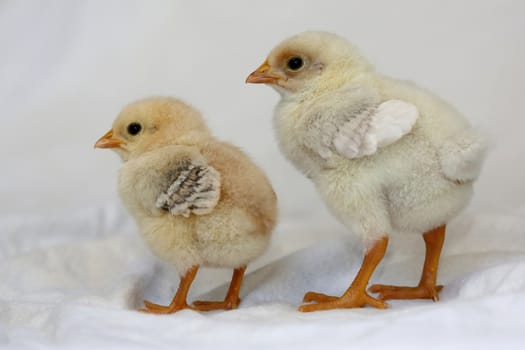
386	156
197	201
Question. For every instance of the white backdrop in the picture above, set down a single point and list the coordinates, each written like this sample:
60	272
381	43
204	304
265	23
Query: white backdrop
67	68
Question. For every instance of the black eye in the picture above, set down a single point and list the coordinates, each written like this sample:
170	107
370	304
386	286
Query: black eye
295	63
134	128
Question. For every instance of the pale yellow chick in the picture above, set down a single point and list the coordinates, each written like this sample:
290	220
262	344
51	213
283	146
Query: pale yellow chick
197	201
386	156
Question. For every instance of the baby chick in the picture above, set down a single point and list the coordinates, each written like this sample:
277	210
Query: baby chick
197	201
386	156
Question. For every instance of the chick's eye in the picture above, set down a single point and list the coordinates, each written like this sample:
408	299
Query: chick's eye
295	63
134	128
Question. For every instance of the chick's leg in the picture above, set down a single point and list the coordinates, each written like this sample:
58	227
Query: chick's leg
356	295
231	301
427	288
179	300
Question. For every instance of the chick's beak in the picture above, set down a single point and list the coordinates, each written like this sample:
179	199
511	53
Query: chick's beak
108	141
263	75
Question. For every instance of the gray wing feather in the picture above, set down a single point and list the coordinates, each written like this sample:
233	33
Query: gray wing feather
195	190
355	122
346	108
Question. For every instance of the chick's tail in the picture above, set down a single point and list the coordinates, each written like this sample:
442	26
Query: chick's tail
462	156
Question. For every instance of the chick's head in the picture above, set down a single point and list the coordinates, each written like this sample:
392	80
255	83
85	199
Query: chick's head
308	60
147	124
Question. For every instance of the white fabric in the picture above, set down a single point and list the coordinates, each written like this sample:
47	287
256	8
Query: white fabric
72	268
76	283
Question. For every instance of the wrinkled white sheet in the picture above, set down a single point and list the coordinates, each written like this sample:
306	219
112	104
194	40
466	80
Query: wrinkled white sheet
76	283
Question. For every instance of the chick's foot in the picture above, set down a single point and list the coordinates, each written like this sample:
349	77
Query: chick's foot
231	301
152	308
179	300
355	295
387	292
349	300
313	297
427	288
201	305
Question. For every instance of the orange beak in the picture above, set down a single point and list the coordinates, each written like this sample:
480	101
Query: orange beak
262	75
108	141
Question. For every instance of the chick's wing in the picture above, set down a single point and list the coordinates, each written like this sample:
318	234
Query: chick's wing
354	122
174	179
194	188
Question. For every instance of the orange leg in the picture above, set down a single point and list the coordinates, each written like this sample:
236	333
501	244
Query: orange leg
427	288
356	295
179	300
231	301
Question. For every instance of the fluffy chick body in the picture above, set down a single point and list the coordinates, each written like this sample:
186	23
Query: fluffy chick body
233	234
197	201
400	189
386	156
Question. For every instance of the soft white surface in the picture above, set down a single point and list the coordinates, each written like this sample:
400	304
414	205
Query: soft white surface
81	292
71	265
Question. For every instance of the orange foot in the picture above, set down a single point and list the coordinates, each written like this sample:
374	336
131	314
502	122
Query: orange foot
152	308
347	301
201	305
395	292
313	297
